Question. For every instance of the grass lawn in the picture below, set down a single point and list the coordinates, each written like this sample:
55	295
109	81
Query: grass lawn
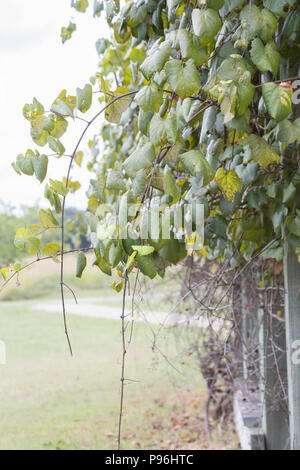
50	400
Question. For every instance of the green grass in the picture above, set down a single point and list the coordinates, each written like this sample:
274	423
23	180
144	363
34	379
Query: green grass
50	400
42	281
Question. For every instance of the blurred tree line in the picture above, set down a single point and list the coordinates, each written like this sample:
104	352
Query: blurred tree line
12	219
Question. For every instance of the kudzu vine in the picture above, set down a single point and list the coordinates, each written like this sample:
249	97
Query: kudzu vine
200	104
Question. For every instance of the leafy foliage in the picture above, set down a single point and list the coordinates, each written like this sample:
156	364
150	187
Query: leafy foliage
195	112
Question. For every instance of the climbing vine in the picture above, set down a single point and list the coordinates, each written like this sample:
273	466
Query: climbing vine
199	100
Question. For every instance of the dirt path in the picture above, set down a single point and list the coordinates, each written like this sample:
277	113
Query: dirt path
98	308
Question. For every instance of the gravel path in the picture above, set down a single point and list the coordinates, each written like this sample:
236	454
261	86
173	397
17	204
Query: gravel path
96	307
91	307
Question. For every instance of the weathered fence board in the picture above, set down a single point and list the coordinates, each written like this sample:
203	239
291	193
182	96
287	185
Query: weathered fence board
292	312
274	382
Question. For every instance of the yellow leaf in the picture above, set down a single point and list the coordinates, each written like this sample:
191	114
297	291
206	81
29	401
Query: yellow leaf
230	183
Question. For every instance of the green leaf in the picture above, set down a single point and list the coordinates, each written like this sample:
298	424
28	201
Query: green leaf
53	198
231	5
146	264
259	22
80	264
289	192
80	5
293	224
206	24
245	95
261	151
174	152
266	58
33	111
25	163
149	98
115	181
66	32
39	139
278	215
274	251
229	182
163	130
56	146
25	239
112	8
183	79
62	108
197	164
32	245
118	285
143	157
114	112
228	103
288	131
102	263
279	7
137	15
122	32
64	105
43	123
171	128
60	127
47	218
156	61
4	272
170	186
78	158
173	251
73	186
157	131
115	254
40	165
215	4
130	260
59	187
51	249
190	47
278	99
98	7
144	120
84	98
139	183
16	168
143	250
235	68
101	45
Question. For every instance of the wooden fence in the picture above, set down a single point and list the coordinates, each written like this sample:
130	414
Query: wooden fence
270	419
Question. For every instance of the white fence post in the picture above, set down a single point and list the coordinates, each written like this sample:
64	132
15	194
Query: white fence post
274	381
292	312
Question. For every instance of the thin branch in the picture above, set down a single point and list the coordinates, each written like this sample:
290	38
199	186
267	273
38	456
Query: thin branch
291	79
199	112
63	208
132	305
75	250
72	292
123	361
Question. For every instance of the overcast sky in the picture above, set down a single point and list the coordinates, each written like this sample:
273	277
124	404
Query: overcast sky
34	62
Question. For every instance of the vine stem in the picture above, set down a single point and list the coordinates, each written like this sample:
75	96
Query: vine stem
123	361
44	258
290	79
62	284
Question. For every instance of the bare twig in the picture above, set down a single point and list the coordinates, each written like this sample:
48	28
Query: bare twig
89	123
123	361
